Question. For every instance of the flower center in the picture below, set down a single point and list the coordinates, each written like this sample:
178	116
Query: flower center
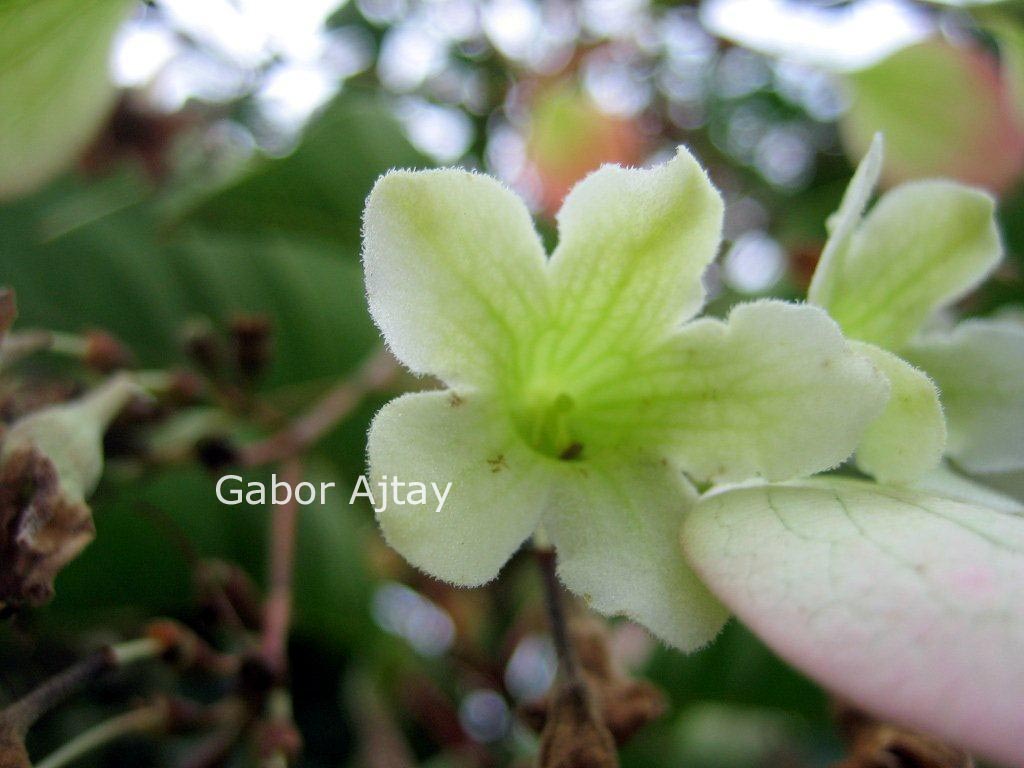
545	422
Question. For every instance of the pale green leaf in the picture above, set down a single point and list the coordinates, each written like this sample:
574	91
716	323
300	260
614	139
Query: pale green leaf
922	246
54	87
775	392
633	245
979	369
909	437
615	527
909	605
844	222
498	487
947	482
454	273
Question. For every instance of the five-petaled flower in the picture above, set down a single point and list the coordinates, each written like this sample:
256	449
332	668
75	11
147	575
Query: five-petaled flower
883	278
581	393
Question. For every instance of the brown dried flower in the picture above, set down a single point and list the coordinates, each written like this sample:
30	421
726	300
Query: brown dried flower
50	462
625	704
874	744
574	735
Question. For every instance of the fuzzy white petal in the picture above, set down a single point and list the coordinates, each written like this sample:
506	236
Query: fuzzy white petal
922	246
776	392
498	487
633	245
454	273
615	527
979	369
909	437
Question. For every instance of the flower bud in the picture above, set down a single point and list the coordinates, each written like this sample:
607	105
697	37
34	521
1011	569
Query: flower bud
252	338
50	461
105	353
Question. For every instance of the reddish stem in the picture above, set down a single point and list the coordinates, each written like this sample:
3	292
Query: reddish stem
278	607
376	374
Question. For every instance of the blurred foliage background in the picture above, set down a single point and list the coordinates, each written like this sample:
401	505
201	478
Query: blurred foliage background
223	179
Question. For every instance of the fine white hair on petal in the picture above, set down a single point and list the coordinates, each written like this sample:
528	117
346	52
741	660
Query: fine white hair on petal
908	439
633	245
775	391
498	487
454	272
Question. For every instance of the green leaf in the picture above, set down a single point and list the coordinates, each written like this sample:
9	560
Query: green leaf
332	587
454	273
968	3
979	369
95	258
615	528
907	604
318	191
923	245
139	559
909	437
87	258
54	87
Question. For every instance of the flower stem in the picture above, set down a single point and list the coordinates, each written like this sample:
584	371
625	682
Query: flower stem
575	733
567	661
136	650
23	713
376	374
278	607
146	718
20	715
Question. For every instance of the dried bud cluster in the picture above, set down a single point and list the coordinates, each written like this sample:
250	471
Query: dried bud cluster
241	359
575	736
625	704
874	744
252	346
50	461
